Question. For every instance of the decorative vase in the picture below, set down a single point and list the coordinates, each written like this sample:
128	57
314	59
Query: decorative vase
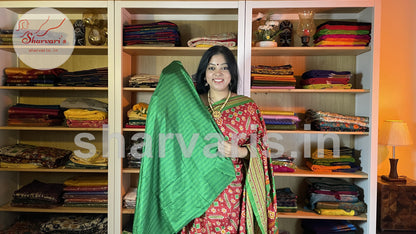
266	44
306	27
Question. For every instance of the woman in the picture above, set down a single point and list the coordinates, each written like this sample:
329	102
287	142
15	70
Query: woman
248	203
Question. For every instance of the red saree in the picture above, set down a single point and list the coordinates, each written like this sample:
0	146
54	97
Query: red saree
248	203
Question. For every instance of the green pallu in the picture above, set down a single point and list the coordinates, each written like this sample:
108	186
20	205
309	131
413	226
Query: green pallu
176	186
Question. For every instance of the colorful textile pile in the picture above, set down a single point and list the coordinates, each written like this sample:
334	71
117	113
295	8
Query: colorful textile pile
86	191
325	161
326	79
58	223
97	77
162	33
323	226
129	199
334	196
272	77
135	152
97	161
30	156
286	200
17	76
280	120
137	115
327	121
34	115
342	33
143	81
6	36
283	164
225	39
85	113
38	194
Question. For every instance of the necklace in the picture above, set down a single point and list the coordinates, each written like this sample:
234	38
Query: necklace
217	113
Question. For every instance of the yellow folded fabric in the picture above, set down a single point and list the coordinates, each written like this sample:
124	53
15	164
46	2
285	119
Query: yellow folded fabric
84	114
271	112
96	160
336	212
89	180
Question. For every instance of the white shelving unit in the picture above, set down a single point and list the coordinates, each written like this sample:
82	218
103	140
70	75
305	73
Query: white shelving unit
83	57
361	100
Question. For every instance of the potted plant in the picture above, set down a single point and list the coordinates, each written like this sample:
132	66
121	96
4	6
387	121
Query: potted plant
266	31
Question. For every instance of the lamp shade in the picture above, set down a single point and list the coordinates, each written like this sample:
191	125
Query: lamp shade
395	133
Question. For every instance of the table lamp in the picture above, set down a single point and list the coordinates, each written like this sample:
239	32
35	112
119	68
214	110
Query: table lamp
394	133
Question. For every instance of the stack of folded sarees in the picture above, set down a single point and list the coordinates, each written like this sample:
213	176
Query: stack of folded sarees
31	156
143	81
225	39
286	200
31	115
325	226
137	115
17	76
326	79
328	121
86	191
280	120
97	77
85	113
162	33
343	33
96	161
334	196
38	194
346	160
6	36
272	77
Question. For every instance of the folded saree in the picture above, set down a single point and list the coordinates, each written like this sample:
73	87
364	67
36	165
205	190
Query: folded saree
176	187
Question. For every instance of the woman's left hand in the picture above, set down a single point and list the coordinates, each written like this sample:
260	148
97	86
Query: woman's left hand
229	150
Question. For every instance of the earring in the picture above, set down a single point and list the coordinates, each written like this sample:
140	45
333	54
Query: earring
206	83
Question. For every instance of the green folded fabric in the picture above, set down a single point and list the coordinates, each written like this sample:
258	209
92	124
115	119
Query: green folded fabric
175	187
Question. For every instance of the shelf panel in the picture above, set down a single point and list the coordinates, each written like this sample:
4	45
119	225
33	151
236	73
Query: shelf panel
53	88
348	91
131	170
317	132
53	128
303	172
131	89
133	129
78	50
308	51
128	211
167	51
64	170
306	214
59	209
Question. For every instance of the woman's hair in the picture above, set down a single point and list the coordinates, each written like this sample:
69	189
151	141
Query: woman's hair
201	86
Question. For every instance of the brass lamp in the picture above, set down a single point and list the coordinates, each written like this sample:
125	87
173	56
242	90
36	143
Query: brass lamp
395	133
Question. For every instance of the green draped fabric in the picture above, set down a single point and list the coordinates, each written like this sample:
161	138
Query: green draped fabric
176	187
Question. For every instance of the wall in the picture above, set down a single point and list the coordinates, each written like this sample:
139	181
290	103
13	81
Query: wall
398	79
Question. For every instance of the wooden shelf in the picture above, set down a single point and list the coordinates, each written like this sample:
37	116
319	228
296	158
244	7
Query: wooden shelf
133	129
304	172
131	170
128	211
58	88
167	51
78	50
131	89
348	91
52	128
63	170
309	51
59	209
306	214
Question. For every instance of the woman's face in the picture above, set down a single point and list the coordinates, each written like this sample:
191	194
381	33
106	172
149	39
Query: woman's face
217	74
